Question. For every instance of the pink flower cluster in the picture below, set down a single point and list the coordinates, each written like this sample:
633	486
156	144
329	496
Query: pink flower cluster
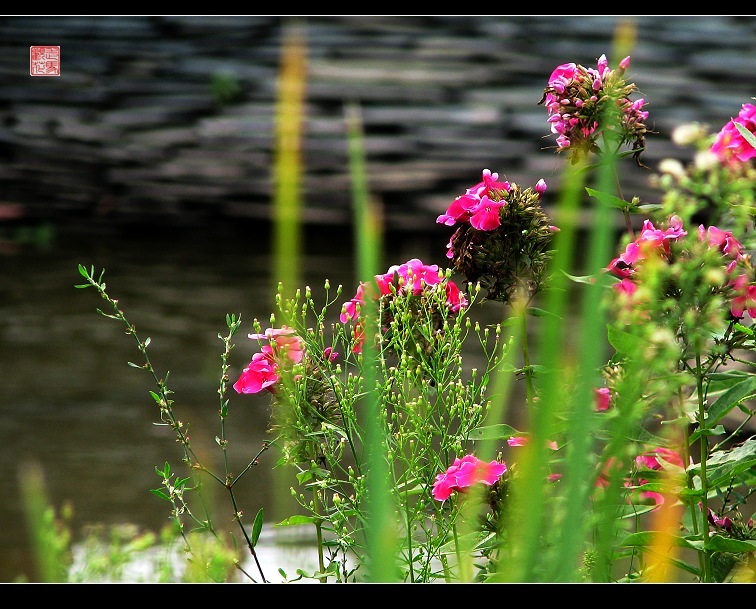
657	241
571	98
262	372
655	459
477	208
464	473
729	146
412	278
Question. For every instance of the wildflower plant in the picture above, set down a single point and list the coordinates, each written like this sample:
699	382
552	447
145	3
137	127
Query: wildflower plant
624	465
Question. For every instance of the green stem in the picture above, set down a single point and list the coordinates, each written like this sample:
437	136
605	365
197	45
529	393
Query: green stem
319	534
526	358
704	442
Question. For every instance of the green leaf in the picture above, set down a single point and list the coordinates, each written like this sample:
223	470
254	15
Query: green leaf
257	527
747	135
648	538
589	279
160	493
647	208
624	342
610	200
743	329
730	399
296	520
726	465
493	432
717	543
536	312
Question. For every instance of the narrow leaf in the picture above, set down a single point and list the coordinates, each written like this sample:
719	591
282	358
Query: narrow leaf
257	526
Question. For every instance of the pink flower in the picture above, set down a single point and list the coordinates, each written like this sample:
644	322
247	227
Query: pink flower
623	265
413	276
284	347
454	297
626	286
656	458
745	297
574	96
489	183
418	275
330	354
723	240
517	441
652	496
463	207
720	522
485	216
459	210
349	309
523	441
260	374
284	342
603	398
650	239
729	146
464	473
562	76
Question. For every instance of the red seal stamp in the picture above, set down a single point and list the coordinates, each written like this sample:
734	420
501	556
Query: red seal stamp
44	61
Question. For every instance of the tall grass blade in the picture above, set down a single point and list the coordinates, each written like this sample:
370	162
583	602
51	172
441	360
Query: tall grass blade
380	528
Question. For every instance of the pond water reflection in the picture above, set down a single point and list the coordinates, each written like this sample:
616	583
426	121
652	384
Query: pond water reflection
70	403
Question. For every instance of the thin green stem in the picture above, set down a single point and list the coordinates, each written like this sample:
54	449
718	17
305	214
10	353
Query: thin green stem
704	447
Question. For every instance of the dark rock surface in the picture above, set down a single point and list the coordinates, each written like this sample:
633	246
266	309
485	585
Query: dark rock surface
175	115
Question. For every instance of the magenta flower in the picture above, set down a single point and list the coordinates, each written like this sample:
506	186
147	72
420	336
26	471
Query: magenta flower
651	496
284	349
745	297
459	210
524	440
602	398
485	215
624	265
729	146
489	183
656	458
626	287
465	206
719	521
413	278
464	473
650	239
576	97
260	374
284	342
349	310
723	240
454	297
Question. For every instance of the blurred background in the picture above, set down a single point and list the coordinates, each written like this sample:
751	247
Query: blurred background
152	156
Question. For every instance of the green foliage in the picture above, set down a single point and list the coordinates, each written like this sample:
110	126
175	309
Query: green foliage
371	410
